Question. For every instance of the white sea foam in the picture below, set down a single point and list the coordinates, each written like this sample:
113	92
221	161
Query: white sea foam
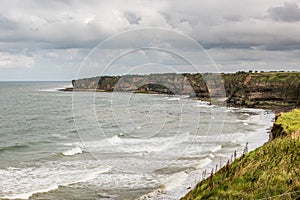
55	89
157	144
73	151
175	180
135	145
28	194
211	155
21	183
203	105
173	99
115	140
169	184
94	145
216	148
204	162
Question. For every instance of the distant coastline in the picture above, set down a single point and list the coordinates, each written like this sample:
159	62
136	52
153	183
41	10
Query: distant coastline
277	91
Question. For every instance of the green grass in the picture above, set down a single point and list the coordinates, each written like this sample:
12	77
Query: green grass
289	121
272	170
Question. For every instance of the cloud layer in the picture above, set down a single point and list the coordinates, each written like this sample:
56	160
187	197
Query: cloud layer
239	35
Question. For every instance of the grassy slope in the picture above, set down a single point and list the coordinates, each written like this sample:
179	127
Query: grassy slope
272	170
290	121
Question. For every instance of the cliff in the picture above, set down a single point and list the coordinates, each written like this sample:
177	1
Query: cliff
272	170
264	90
274	90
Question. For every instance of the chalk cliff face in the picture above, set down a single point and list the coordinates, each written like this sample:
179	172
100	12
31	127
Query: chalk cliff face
241	88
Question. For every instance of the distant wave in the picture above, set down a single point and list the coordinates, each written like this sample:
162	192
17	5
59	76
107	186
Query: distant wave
56	88
79	148
14	147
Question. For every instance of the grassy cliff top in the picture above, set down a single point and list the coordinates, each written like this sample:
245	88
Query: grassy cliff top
290	121
272	170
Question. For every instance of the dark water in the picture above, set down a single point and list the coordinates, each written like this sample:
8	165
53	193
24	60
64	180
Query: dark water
58	145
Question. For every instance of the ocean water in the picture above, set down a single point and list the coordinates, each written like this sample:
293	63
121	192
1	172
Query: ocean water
83	145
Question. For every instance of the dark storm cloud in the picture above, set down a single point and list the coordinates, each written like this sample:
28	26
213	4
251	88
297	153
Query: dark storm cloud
289	12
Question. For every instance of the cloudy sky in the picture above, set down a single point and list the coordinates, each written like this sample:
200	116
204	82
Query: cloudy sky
49	40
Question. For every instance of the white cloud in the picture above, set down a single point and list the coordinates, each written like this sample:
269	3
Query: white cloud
15	61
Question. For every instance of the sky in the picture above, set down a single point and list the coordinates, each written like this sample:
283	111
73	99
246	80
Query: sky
54	40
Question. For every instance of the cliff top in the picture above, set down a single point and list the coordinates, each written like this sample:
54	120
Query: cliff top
290	121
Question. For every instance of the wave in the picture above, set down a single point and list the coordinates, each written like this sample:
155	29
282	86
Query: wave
136	145
203	104
153	145
74	151
175	180
173	98
115	139
14	147
216	148
89	146
169	184
28	194
204	162
21	183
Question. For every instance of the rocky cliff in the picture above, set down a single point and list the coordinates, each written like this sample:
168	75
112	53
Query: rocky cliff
264	89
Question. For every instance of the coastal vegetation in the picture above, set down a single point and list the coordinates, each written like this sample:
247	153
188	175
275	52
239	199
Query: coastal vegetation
270	171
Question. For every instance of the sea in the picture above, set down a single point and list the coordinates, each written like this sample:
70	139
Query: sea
87	145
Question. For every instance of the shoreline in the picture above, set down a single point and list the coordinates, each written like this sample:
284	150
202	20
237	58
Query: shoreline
285	131
273	107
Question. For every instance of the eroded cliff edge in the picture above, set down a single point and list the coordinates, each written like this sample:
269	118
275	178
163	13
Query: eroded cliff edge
271	90
269	172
